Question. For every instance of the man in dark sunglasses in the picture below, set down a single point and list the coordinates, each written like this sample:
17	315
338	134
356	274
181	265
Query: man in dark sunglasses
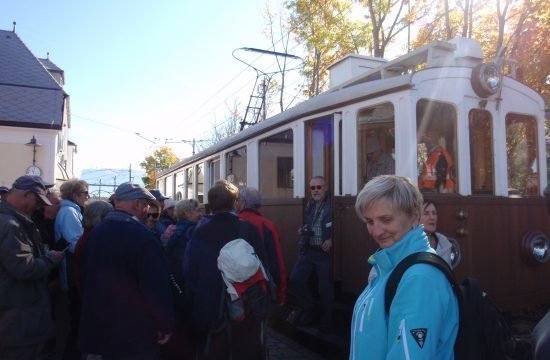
152	220
316	243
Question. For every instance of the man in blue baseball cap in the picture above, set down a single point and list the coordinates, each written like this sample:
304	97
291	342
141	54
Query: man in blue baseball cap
25	318
121	261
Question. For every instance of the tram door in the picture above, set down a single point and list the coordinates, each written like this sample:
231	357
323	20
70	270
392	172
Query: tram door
319	135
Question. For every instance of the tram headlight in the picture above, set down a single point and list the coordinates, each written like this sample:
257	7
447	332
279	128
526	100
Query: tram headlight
486	79
535	248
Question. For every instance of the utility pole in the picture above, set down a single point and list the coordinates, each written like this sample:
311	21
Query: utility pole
100	188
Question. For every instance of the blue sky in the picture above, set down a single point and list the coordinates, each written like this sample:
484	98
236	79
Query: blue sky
161	68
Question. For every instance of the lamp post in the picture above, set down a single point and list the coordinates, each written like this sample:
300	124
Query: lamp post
33	169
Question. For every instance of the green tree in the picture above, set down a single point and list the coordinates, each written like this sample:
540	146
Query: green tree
328	33
161	159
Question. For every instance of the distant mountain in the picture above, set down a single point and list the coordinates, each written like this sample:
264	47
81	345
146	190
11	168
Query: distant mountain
104	181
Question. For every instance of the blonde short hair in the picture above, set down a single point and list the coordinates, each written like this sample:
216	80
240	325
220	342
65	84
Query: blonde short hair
400	191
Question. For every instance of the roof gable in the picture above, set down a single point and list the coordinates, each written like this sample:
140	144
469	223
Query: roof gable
29	95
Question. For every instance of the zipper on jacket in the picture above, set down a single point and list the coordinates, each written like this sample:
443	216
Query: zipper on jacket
364	310
403	335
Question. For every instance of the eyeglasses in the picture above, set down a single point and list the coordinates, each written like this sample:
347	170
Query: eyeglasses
153	215
84	193
318	187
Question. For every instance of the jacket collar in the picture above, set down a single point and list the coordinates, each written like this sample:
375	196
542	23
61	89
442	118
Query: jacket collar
122	216
7	208
414	241
250	210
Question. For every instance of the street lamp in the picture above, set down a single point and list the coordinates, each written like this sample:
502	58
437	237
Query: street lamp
33	169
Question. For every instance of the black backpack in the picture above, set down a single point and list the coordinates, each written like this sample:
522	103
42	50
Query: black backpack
482	332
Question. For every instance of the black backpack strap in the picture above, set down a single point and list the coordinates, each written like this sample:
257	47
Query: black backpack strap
406	263
244	231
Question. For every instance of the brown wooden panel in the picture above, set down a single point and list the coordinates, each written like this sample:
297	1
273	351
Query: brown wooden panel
491	249
287	214
352	246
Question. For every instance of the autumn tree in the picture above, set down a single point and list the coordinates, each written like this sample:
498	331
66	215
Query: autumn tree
530	46
327	31
161	159
387	18
279	35
518	29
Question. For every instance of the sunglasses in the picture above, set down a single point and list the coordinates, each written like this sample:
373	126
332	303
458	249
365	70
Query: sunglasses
153	215
318	187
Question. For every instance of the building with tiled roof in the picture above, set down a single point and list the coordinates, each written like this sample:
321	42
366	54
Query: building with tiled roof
33	105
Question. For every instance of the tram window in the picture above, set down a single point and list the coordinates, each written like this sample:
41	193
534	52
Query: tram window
214	171
521	154
189	175
376	142
168	183
481	151
276	165
235	163
437	149
180	176
200	183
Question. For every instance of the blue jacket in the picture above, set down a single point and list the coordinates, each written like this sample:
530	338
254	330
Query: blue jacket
126	290
68	225
423	318
175	247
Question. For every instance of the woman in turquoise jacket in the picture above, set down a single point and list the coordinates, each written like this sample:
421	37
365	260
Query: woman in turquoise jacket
423	319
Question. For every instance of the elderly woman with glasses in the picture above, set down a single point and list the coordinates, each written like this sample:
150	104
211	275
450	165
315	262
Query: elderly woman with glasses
422	322
68	222
68	230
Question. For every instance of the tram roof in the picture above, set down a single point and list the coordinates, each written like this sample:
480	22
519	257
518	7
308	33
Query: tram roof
323	102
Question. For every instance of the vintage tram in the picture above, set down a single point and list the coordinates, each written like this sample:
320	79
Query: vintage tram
492	127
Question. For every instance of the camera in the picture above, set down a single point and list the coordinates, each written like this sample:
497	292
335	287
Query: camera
305	233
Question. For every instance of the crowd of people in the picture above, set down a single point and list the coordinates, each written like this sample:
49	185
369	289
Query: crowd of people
135	277
138	276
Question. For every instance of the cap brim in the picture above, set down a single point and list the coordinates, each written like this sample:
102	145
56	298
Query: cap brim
154	202
44	199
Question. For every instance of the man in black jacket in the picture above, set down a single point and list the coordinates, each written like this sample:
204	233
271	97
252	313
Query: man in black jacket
216	338
25	317
127	304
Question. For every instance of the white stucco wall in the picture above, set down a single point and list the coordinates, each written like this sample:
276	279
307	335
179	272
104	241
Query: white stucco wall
16	157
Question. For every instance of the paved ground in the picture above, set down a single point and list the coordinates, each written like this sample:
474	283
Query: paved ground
283	348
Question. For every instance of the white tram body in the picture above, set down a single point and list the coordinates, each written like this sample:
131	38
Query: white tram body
494	134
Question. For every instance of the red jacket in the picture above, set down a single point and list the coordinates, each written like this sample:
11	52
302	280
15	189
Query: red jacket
268	230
